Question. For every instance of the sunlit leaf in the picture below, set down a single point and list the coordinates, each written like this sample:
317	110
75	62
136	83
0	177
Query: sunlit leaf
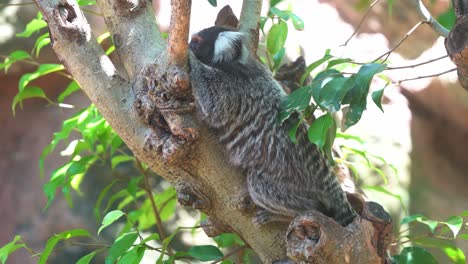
277	37
116	160
284	15
32	27
9	248
110	218
71	88
455	224
133	256
41	42
120	246
30	92
15	56
42	70
54	240
298	23
414	255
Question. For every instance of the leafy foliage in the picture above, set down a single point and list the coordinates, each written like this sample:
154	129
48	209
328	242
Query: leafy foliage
131	202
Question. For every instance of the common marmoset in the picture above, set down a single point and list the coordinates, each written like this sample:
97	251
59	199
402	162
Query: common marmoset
239	99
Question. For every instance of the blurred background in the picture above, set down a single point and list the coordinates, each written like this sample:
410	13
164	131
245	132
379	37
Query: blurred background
423	132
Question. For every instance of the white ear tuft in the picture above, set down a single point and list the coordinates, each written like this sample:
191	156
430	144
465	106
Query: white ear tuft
228	47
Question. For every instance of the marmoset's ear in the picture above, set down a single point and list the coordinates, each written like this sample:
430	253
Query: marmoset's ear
229	47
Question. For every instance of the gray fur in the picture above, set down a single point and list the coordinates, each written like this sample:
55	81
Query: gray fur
241	102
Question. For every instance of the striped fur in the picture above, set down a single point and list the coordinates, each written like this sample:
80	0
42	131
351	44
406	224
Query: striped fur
241	103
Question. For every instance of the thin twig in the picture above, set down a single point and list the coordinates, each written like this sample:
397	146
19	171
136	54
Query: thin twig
417	64
360	22
87	244
177	47
229	254
147	188
426	15
426	76
387	54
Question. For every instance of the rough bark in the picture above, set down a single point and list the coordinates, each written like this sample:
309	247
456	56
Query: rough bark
457	42
151	108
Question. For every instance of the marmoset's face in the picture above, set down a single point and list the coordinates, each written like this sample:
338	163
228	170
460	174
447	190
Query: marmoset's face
217	46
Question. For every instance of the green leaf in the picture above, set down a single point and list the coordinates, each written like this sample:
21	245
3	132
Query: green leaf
15	56
321	80
104	192
414	255
9	248
53	241
120	246
455	224
110	218
86	2
87	258
214	3
277	37
293	131
42	70
298	23
447	19
133	256
332	93
317	132
41	42
357	96
377	97
278	57
32	27
205	253
411	218
328	147
71	88
333	63
455	254
166	243
314	65
228	240
132	186
275	2
297	101
30	92
463	236
116	160
283	15
151	237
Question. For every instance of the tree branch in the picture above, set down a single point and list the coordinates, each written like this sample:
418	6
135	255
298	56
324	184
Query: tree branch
179	30
249	22
426	15
133	25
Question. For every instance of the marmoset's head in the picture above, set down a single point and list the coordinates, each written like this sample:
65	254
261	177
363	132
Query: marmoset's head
219	46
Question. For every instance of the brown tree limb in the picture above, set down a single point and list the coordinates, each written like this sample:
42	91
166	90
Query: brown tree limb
178	33
133	25
249	22
456	45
